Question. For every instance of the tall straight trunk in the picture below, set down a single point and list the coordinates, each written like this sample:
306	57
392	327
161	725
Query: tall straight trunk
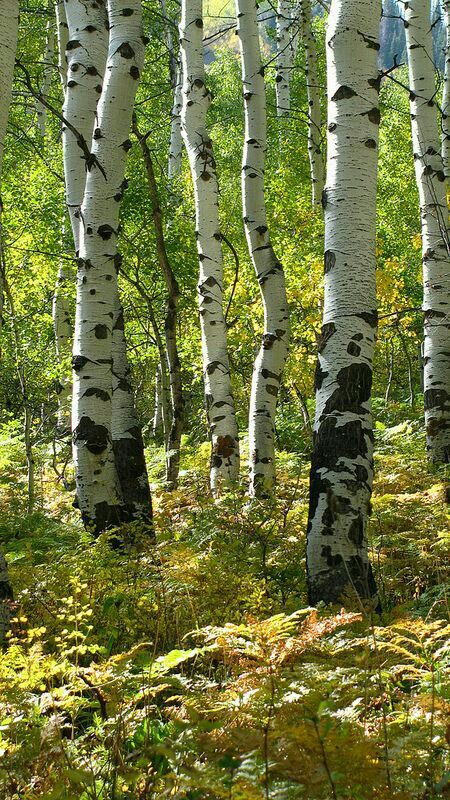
314	114
445	136
287	33
99	492
432	187
62	30
176	137
47	72
86	53
62	327
216	370
9	28
270	361
173	436
342	460
157	424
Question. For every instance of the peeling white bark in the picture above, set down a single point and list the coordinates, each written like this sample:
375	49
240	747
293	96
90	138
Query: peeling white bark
287	34
446	94
47	74
314	114
342	460
98	488
271	358
432	187
219	398
86	53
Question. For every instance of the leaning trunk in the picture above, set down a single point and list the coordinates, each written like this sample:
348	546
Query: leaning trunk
432	187
269	364
342	460
219	398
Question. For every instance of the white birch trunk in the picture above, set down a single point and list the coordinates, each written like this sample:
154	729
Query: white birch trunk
432	188
176	137
62	30
157	423
446	94
47	74
271	358
9	27
342	460
316	162
219	398
86	54
98	489
62	327
287	32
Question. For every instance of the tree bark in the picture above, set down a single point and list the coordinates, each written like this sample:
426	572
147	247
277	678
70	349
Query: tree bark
173	436
432	187
157	424
218	391
99	492
62	29
62	327
314	114
342	460
271	358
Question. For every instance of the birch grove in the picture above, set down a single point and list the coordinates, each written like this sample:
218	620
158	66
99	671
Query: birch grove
271	358
342	459
216	370
432	187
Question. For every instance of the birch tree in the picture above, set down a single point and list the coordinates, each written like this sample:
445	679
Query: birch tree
101	497
9	25
199	147
316	161
62	31
445	137
47	71
342	459
271	358
287	33
432	187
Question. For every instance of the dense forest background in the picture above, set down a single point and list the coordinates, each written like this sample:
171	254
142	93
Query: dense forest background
192	667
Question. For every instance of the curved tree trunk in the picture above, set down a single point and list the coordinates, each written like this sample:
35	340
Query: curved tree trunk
446	94
342	459
98	488
270	361
9	27
314	114
287	33
219	398
47	72
173	436
432	188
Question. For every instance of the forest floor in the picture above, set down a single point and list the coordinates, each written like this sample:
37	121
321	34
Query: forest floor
194	669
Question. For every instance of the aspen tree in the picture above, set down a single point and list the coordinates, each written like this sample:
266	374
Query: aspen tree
101	498
432	187
9	26
271	358
218	392
287	33
47	72
62	30
342	459
445	136
314	114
